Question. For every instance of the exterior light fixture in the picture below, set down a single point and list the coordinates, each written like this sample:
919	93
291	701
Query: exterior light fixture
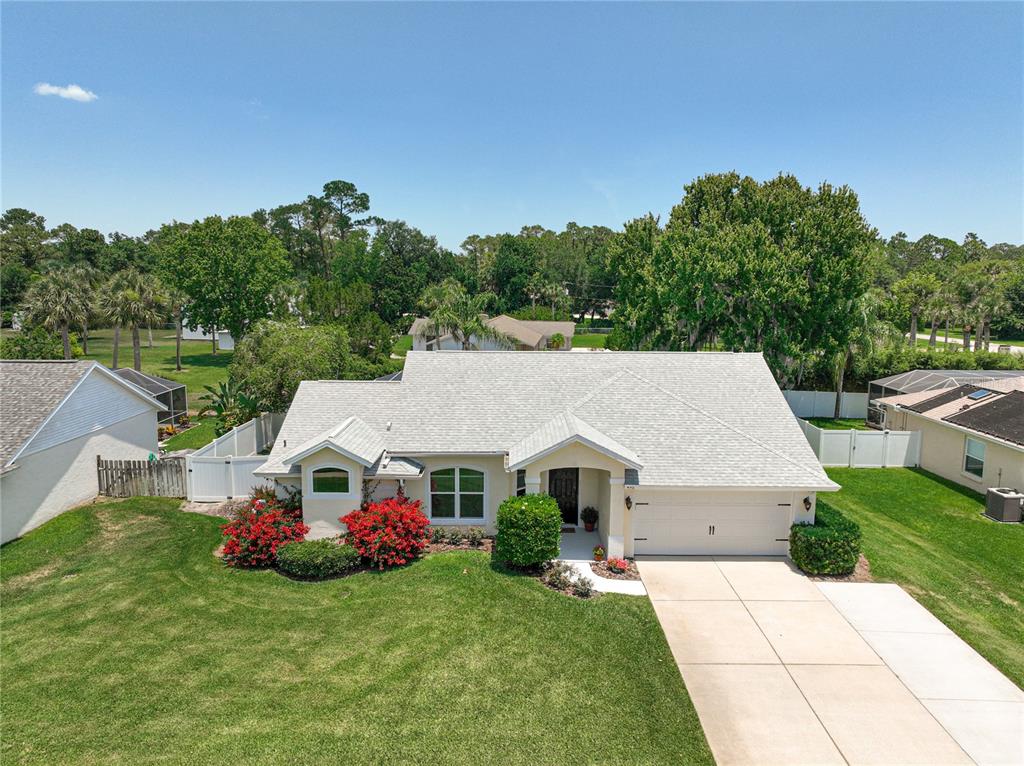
807	503
629	503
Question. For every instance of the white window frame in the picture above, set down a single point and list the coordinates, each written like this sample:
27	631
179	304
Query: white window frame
308	482
458	518
963	464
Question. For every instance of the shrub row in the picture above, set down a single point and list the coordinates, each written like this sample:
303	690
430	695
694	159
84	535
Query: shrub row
830	546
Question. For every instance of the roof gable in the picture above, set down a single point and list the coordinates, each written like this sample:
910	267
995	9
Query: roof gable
562	430
352	439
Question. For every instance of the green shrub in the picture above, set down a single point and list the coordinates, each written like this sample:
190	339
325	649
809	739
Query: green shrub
529	530
475	537
316	559
830	546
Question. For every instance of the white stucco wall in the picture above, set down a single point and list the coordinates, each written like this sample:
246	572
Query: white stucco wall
53	480
321	512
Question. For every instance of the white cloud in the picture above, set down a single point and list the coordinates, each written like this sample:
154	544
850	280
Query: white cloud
73	92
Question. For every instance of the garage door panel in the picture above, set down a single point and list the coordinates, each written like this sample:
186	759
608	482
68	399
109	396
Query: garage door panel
686	529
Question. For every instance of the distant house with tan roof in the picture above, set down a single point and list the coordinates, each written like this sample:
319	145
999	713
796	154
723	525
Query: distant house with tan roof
972	434
528	335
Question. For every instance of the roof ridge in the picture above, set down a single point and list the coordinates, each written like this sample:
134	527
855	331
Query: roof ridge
718	420
591	394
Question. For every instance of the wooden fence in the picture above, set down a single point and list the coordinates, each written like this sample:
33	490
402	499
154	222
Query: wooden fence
127	478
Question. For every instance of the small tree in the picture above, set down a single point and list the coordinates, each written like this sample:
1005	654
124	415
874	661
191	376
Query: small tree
556	341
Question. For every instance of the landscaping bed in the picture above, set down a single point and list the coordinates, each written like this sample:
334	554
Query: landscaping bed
601	569
125	641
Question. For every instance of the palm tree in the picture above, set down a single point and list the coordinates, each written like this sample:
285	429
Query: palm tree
132	300
463	316
869	331
88	278
57	302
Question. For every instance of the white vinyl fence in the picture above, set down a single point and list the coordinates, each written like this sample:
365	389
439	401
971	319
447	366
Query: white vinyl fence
864	449
223	469
822	404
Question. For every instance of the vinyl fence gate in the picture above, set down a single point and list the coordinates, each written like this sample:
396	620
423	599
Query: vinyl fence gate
223	469
864	449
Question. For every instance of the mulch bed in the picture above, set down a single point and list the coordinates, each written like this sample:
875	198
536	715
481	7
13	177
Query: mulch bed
486	545
860	573
600	568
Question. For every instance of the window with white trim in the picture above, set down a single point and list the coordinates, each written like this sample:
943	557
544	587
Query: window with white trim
456	493
330	481
974	457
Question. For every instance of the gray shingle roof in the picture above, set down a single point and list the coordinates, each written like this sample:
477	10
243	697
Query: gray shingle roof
691	419
29	392
563	429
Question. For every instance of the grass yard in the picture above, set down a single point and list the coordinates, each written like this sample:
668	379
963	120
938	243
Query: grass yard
402	346
200	367
199	435
928	535
124	640
839	424
589	340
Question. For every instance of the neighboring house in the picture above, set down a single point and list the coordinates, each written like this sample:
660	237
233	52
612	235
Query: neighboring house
56	417
224	340
170	393
972	434
681	453
528	335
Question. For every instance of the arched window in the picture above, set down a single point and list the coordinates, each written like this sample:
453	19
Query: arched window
331	481
457	493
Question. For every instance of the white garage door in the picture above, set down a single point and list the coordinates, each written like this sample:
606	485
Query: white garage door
664	527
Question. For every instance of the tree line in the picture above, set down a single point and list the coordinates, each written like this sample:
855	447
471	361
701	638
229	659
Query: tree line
774	266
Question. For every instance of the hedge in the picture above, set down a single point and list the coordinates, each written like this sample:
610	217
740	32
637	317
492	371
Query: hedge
316	559
529	530
830	546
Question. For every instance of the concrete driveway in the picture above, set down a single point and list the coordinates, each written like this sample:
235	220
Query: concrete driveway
784	670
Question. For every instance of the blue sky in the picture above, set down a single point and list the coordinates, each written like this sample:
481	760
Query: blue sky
480	118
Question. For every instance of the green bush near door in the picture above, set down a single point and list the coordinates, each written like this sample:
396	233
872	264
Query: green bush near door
529	530
830	546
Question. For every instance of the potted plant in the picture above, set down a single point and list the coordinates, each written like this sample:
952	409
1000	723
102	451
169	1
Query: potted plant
589	516
598	553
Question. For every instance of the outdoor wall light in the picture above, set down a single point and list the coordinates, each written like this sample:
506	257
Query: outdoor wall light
807	503
629	503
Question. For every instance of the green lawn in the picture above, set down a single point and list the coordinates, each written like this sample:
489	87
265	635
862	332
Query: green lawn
928	535
125	641
839	424
200	367
199	435
402	346
589	340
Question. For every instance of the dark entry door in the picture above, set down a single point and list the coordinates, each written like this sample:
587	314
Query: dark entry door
564	486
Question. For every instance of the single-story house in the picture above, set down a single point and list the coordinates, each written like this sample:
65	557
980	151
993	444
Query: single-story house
972	434
56	418
528	335
680	453
170	393
917	381
225	342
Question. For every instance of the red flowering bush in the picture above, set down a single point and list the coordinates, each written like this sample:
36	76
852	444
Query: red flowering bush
619	566
388	533
258	529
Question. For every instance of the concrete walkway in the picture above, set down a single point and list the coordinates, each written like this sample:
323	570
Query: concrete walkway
783	670
577	549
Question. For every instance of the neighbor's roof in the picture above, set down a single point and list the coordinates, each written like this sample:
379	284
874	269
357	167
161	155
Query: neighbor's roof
528	333
914	381
30	390
994	408
151	383
688	419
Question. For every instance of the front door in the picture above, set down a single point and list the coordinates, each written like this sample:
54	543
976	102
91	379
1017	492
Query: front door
564	486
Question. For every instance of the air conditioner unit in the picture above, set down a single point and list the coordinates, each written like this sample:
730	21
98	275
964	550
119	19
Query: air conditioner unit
1004	504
